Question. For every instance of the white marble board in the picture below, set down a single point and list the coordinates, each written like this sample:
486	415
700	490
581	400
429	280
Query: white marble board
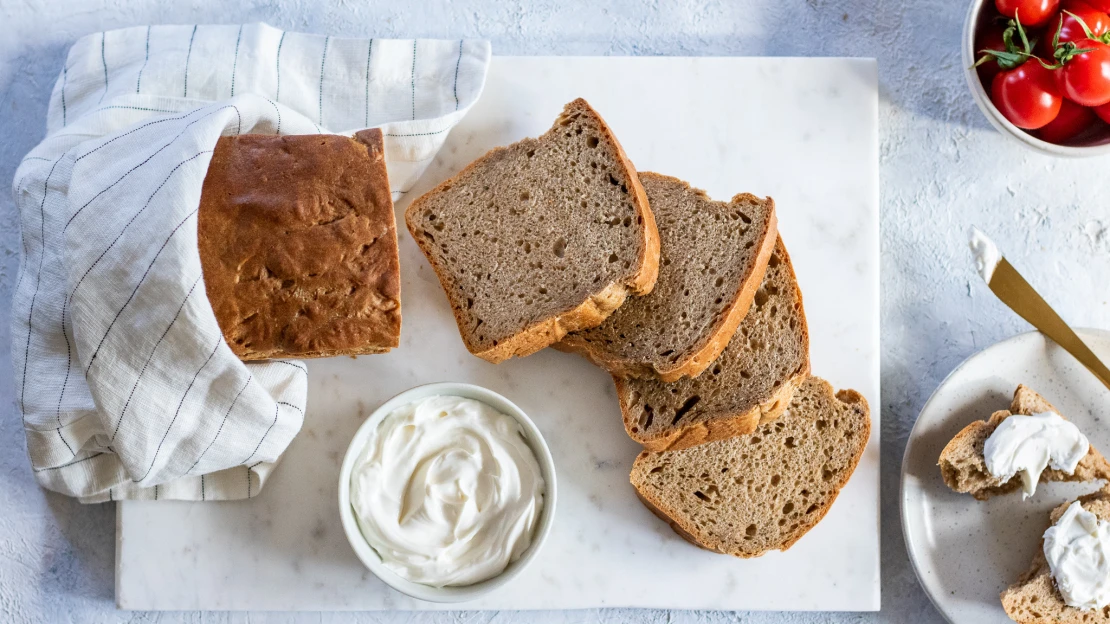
801	130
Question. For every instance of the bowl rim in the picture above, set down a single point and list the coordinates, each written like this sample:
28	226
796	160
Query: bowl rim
1003	125
370	558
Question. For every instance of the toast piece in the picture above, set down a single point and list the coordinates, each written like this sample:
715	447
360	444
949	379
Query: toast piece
298	245
541	238
1034	599
714	255
964	468
749	384
749	494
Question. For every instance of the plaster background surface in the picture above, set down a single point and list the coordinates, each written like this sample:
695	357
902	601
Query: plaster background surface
942	168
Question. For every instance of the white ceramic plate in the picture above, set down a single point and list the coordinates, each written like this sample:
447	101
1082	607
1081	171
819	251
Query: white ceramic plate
965	552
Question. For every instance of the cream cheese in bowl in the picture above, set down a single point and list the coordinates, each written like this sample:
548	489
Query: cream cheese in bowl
447	491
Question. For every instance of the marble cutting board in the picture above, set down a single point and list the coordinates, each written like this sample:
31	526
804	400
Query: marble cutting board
803	131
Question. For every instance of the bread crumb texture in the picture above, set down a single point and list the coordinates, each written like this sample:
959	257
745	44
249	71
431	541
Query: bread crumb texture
750	383
964	468
540	238
1034	599
749	494
713	257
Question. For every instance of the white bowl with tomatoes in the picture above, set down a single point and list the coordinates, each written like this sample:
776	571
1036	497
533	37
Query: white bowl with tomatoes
1040	71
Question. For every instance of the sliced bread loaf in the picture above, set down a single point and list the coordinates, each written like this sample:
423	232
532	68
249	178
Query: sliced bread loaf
540	238
1034	599
964	468
714	255
750	383
749	494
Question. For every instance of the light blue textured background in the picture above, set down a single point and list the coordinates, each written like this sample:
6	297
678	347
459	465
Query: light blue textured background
942	168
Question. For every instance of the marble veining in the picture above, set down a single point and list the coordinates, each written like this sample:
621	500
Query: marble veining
943	168
285	549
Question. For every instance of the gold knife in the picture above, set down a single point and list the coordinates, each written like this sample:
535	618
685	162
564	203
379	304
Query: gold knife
1009	286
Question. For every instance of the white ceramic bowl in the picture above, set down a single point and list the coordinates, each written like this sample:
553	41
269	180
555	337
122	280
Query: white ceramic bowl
370	557
1084	146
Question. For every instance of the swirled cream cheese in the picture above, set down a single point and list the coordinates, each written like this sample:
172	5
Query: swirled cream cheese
986	253
1026	445
447	491
1077	548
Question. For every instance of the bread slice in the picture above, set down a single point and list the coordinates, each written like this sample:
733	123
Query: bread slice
750	383
540	238
714	255
1034	599
964	468
749	494
298	245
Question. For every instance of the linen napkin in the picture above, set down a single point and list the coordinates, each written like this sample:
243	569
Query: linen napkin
126	387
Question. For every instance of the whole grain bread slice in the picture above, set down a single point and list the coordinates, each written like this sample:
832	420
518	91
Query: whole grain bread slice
750	383
714	255
752	493
1034	599
964	468
541	238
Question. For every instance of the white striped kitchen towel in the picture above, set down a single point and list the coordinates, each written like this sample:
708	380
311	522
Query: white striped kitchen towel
126	387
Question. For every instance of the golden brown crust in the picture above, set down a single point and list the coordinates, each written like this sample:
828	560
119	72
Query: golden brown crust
298	245
844	396
717	427
649	253
721	426
963	468
691	532
1034	598
675	526
725	327
721	332
589	313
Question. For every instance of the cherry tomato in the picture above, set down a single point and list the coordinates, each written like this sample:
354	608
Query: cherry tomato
1085	78
1070	28
1027	95
1032	13
1099	5
990	39
1103	112
1071	120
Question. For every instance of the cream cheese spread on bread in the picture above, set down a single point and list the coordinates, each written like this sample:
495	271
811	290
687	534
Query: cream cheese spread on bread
1026	445
447	491
1077	548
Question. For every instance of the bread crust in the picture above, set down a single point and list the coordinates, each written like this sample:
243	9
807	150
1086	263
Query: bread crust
1037	581
722	330
973	478
331	286
716	427
691	533
722	425
591	312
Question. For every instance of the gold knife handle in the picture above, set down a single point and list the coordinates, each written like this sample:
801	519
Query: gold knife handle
1015	292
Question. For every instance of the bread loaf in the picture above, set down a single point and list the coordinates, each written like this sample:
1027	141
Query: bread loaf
298	245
